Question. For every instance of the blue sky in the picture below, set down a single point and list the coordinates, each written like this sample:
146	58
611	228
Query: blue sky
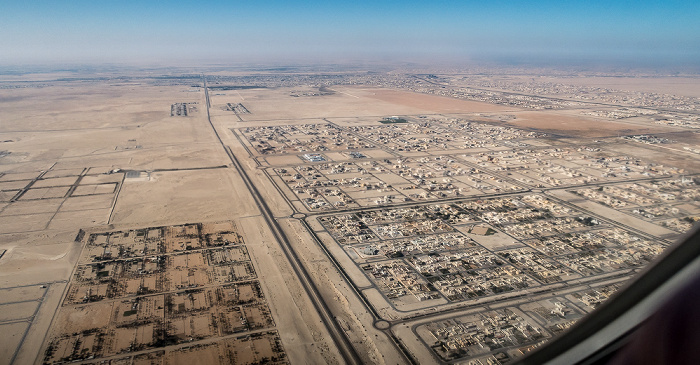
330	31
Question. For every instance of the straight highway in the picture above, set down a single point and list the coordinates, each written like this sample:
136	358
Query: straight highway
339	336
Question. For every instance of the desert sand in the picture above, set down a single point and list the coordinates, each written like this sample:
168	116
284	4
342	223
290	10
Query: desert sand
91	156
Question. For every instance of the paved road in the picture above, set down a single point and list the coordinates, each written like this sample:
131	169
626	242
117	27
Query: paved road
339	337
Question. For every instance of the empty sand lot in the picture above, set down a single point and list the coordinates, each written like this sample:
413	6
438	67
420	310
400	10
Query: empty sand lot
577	126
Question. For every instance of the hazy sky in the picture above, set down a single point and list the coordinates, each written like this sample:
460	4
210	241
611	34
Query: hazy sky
329	31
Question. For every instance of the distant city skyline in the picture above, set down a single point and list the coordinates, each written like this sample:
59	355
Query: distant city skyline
646	33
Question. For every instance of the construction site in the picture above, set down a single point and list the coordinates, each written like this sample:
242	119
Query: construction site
163	287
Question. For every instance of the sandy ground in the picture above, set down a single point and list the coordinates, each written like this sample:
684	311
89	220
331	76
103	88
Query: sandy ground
90	129
77	132
278	105
685	86
182	196
304	338
575	126
433	103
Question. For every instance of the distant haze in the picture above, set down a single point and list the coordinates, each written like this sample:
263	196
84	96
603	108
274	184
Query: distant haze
646	33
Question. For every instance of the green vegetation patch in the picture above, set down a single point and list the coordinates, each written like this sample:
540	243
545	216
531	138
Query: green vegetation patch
102	274
393	120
